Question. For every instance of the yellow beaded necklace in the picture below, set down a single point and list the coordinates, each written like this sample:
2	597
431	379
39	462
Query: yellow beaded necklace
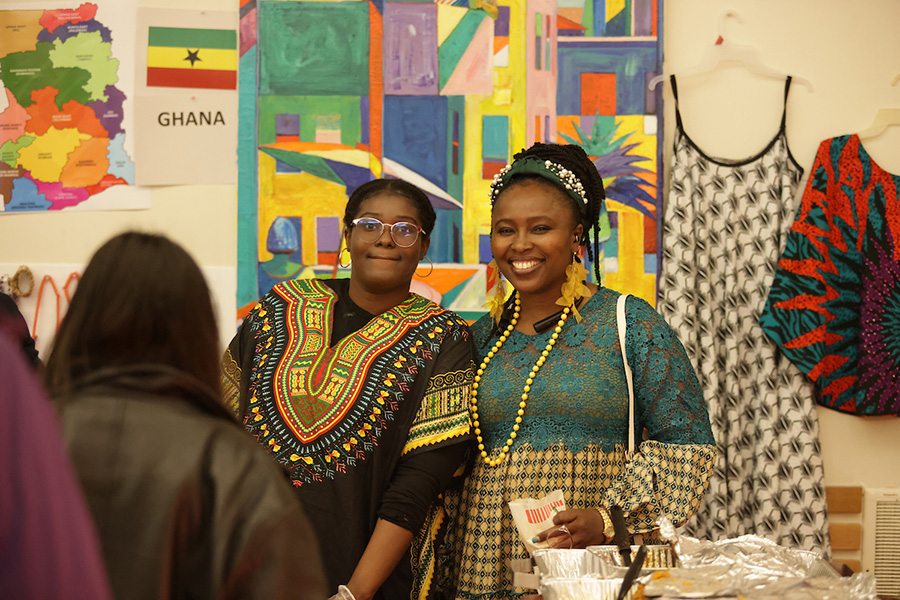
493	462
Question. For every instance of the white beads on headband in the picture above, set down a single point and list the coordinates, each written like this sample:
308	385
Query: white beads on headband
569	178
496	185
547	169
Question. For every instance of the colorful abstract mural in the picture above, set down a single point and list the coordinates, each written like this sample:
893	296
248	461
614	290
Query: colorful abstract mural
442	94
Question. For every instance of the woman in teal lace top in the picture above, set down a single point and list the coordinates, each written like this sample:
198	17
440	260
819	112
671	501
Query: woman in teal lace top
551	412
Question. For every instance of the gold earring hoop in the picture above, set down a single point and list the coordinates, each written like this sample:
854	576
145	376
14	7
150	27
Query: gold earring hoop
429	272
341	259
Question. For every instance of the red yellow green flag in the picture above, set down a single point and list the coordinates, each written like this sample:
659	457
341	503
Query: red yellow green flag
192	58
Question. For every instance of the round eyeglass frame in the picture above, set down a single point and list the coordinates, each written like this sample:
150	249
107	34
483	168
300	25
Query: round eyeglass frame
392	227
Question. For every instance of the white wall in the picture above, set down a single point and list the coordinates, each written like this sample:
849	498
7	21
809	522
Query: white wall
850	51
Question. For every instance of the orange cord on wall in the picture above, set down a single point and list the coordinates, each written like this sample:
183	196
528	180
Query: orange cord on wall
73	276
37	309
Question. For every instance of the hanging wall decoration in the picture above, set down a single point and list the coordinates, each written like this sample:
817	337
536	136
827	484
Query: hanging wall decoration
186	97
65	108
442	94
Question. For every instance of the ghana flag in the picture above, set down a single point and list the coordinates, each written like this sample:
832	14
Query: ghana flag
192	58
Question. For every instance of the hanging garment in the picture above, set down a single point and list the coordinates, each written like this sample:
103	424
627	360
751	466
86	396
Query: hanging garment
725	223
834	306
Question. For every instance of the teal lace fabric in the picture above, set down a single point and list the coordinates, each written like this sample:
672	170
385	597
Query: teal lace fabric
574	433
580	396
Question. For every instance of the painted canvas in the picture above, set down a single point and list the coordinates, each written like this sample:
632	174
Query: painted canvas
442	94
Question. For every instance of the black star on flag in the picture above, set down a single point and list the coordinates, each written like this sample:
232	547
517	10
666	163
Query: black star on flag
192	56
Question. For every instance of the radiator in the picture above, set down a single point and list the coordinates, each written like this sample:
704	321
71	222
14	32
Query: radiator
881	539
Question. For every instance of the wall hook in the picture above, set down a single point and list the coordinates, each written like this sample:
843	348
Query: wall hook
724	17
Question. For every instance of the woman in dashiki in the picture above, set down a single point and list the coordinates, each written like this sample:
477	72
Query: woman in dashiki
550	408
361	390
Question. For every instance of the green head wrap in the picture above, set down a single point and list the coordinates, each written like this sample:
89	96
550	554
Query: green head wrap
551	171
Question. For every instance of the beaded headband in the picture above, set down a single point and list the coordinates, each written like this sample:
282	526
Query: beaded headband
549	170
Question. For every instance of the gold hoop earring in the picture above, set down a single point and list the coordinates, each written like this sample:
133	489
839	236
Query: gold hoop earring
429	272
341	259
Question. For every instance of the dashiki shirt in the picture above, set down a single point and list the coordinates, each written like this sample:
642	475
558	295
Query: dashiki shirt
365	425
724	228
574	434
834	307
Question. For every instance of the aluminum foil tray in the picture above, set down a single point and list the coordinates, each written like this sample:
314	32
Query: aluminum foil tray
585	588
658	557
553	562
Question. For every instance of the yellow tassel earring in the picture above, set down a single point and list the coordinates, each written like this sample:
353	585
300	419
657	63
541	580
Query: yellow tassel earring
496	300
574	288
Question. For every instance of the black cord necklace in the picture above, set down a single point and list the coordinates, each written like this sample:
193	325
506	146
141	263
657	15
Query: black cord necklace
540	327
550	322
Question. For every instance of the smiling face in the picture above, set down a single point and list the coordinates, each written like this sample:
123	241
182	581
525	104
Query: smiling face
534	233
382	267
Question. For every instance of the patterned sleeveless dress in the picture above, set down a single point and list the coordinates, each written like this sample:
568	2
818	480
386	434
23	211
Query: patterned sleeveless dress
726	222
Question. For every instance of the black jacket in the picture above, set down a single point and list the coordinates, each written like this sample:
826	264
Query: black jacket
186	503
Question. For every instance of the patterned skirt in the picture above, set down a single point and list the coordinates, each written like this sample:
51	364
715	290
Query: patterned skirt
485	535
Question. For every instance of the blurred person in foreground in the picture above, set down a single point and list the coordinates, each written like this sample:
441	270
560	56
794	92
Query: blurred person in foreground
186	504
48	544
13	325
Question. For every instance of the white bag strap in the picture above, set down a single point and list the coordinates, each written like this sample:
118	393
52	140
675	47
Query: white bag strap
622	326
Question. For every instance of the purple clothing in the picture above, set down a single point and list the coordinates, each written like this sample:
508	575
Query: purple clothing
13	325
48	544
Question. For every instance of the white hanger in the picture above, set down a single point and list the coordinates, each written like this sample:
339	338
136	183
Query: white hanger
884	118
721	53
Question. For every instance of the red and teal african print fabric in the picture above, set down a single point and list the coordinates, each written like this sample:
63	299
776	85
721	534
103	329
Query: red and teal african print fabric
834	305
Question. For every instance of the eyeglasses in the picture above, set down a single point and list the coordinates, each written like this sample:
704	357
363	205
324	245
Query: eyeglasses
403	233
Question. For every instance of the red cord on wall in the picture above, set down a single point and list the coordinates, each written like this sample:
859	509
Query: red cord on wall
37	309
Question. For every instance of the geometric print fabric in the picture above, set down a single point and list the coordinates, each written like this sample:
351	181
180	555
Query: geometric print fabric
724	229
600	478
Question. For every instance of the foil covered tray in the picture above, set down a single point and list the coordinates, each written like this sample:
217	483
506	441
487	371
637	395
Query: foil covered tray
607	561
585	588
754	568
748	567
715	581
553	562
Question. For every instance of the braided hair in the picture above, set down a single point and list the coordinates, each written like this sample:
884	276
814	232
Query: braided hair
575	159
